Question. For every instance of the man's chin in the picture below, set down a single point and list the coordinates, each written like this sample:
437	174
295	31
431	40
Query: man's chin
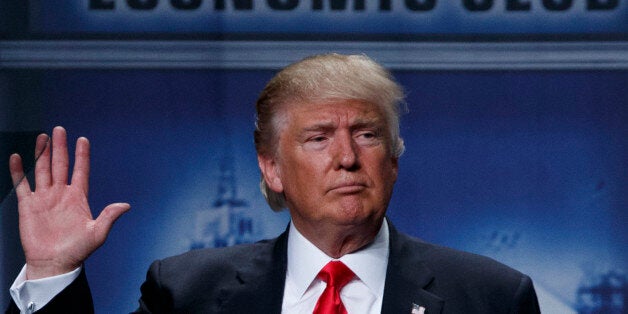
356	215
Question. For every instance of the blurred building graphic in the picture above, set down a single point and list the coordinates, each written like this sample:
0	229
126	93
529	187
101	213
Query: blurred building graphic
604	294
227	222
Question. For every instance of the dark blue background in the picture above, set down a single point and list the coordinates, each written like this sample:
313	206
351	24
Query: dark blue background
529	167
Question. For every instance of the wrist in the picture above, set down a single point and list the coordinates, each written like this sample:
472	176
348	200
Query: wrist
35	271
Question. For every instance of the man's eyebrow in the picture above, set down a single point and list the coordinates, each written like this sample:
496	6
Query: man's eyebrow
356	124
319	126
368	123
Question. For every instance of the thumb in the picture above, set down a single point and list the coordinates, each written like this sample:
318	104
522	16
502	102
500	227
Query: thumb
107	217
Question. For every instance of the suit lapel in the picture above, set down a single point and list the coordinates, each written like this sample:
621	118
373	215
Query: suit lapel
407	279
258	286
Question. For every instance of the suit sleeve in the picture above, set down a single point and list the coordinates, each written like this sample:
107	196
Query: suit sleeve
12	309
526	301
154	298
74	299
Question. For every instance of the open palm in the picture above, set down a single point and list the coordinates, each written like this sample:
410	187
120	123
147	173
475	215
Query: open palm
57	229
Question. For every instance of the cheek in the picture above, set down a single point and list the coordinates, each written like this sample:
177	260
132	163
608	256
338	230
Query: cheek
386	175
307	164
296	172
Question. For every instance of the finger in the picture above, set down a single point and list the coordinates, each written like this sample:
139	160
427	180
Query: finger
80	175
60	160
22	188
107	217
42	161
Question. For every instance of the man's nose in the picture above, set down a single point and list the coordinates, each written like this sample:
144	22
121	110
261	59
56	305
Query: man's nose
346	152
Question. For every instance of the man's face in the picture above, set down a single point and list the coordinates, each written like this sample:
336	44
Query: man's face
333	163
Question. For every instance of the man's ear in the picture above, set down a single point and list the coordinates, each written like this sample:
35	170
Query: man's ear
395	166
270	172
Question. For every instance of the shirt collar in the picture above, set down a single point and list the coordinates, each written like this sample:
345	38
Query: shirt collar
369	264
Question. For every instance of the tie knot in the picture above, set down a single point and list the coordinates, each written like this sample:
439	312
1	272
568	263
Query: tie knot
336	274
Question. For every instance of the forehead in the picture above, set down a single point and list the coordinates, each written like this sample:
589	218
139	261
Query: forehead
332	112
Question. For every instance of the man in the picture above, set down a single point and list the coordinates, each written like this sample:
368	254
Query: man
327	139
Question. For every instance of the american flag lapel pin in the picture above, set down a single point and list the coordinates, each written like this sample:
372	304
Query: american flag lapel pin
417	309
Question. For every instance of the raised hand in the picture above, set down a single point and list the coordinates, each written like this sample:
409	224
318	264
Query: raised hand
57	229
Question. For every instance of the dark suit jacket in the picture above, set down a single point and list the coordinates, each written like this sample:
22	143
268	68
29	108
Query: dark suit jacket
250	279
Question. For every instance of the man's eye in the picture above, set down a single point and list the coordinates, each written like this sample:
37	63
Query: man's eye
368	138
367	135
316	142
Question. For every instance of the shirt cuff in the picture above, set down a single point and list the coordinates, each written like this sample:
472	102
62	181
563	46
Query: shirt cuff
32	295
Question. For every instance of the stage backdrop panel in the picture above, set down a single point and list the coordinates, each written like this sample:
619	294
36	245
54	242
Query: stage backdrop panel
527	167
516	130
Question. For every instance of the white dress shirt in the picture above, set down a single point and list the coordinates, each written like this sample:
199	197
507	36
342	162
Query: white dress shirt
363	294
32	295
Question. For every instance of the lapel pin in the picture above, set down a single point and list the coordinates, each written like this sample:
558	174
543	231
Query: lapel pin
416	309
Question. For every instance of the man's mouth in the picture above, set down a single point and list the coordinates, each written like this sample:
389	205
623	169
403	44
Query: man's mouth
348	188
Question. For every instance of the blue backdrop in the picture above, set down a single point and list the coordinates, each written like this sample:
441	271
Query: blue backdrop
526	167
526	163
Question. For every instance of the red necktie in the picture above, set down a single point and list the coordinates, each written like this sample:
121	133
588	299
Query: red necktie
336	275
